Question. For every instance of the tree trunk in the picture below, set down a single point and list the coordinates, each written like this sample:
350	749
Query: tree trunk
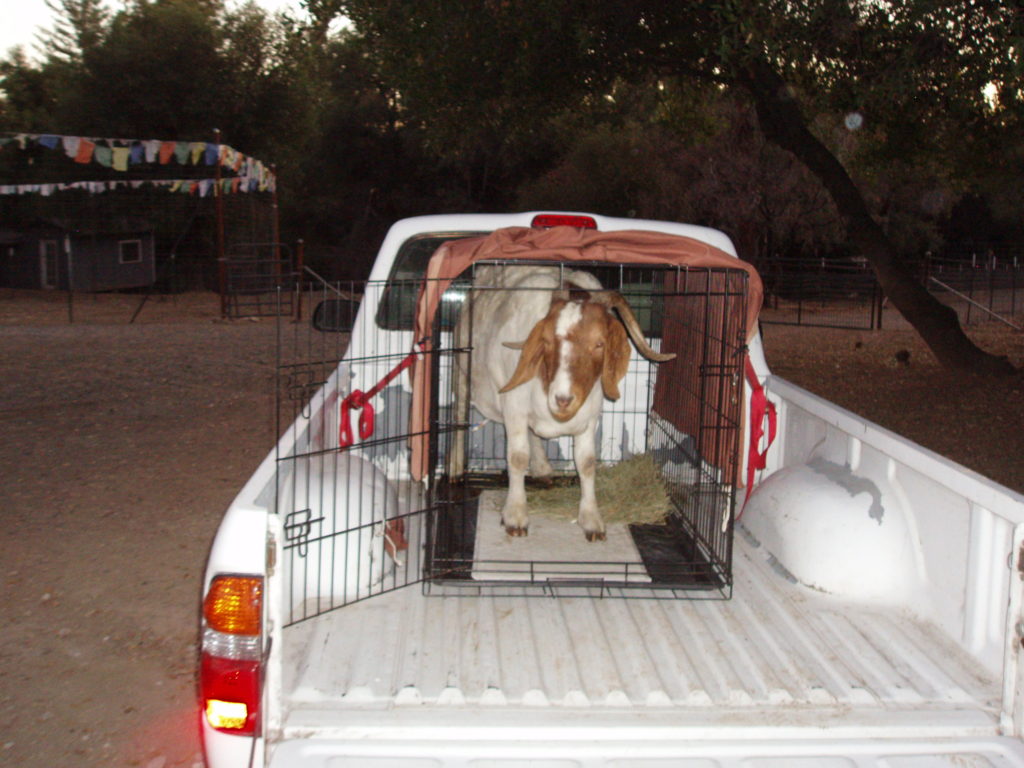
939	326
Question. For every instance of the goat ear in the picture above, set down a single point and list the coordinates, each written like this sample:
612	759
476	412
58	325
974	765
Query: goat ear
529	358
616	359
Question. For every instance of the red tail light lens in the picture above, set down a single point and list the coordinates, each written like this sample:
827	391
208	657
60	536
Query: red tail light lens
230	693
546	220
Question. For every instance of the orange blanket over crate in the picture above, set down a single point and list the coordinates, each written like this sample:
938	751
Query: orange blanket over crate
556	244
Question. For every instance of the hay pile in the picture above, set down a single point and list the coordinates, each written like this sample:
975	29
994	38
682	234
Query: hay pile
631	491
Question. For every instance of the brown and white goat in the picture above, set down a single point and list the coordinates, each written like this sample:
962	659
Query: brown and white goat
546	385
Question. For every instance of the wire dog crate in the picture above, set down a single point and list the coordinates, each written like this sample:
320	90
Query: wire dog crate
678	421
365	494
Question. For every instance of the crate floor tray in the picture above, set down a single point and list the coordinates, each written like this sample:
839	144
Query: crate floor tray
554	550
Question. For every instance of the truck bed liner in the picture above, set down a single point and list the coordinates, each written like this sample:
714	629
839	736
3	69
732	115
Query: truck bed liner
775	646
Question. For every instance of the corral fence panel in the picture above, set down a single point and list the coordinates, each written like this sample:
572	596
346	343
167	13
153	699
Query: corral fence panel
820	292
989	292
845	294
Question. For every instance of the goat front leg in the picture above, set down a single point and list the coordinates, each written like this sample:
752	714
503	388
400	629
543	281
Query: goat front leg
589	519
514	515
540	467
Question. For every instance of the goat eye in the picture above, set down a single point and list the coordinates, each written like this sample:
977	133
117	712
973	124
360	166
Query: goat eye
599	345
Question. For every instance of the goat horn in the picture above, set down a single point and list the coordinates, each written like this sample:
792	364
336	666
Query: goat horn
614	300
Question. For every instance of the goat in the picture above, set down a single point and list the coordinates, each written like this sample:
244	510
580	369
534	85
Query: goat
545	386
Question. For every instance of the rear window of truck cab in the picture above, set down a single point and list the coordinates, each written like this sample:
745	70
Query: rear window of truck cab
398	304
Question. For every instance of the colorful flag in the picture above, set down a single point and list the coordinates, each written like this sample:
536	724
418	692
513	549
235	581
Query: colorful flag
181	152
103	155
85	149
71	145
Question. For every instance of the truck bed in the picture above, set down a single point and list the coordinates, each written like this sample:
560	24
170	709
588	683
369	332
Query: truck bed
776	654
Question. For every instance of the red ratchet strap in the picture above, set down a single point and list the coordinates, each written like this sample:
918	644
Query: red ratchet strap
359	399
760	406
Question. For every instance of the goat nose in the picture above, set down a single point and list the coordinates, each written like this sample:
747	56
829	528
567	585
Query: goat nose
562	401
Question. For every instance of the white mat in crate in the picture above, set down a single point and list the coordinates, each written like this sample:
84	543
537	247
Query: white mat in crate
555	549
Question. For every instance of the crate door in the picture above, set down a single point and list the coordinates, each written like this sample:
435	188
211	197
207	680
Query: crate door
353	520
695	420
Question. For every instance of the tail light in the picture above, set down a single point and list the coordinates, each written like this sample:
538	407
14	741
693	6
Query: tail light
230	664
546	220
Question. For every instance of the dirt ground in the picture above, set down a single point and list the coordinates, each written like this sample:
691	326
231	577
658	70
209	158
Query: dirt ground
124	442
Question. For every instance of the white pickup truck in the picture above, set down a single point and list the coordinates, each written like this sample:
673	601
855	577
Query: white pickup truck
818	591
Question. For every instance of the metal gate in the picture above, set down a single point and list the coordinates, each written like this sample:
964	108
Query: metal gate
257	280
356	525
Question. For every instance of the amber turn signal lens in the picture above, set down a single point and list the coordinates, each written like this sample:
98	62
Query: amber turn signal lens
233	603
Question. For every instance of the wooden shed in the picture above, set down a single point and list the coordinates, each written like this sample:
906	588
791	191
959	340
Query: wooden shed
58	254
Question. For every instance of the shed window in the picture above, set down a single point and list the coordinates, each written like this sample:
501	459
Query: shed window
130	251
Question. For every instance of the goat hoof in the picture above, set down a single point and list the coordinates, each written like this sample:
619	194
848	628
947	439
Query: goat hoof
595	535
513	530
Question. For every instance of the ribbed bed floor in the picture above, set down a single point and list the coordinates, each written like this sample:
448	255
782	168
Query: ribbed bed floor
774	644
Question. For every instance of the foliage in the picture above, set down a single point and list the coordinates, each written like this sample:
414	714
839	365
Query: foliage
638	108
80	27
912	74
723	175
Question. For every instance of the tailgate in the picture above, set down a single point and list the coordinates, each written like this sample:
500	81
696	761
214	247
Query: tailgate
814	753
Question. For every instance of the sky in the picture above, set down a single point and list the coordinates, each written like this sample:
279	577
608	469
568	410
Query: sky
23	18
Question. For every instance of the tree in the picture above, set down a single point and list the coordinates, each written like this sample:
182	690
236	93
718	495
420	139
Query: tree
721	173
31	93
28	96
79	27
915	71
158	73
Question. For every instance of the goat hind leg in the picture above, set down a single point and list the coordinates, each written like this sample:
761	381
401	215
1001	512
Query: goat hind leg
460	415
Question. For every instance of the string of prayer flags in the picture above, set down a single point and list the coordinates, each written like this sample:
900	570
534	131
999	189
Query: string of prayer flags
198	187
121	155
